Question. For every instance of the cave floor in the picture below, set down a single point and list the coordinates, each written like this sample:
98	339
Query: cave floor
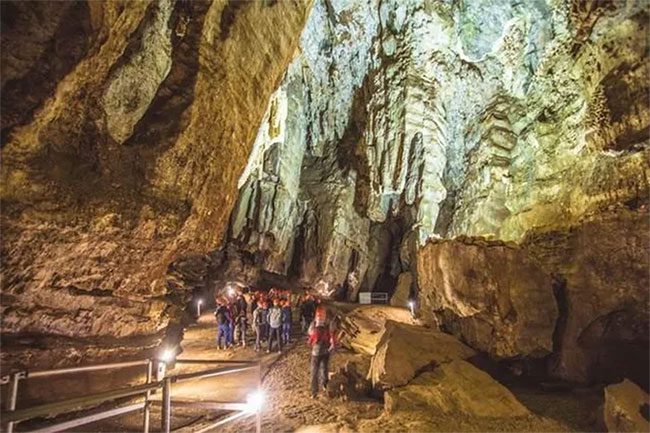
288	406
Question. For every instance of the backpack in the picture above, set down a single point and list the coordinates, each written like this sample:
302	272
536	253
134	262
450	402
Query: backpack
322	343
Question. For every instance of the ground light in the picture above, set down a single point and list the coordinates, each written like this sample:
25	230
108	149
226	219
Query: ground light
412	308
168	355
254	401
198	306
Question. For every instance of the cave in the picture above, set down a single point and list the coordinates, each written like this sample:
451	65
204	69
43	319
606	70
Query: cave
461	185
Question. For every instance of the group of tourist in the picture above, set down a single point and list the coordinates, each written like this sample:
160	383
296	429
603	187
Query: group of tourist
268	314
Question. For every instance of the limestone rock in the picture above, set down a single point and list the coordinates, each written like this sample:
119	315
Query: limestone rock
602	265
118	159
348	383
456	387
491	295
404	350
363	327
401	296
624	404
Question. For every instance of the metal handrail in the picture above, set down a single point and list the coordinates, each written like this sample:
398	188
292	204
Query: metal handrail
44	373
209	373
13	380
12	416
76	403
211	361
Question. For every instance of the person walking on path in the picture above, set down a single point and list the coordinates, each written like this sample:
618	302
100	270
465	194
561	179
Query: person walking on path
322	338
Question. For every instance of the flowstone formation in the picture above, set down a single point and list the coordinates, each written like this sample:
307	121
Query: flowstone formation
403	122
125	126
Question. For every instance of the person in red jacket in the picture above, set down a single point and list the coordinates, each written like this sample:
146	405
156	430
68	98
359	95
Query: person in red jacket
322	338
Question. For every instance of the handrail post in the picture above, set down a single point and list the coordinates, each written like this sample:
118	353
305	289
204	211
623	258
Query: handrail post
13	396
258	426
165	416
147	404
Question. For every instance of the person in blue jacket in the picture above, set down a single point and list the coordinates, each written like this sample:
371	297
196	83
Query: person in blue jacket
222	316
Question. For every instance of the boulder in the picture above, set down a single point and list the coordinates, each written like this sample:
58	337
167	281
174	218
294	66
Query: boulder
404	350
624	403
490	294
402	290
602	265
348	383
362	328
456	387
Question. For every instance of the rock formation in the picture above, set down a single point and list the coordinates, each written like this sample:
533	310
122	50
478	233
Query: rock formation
154	148
405	350
125	126
456	387
625	404
490	294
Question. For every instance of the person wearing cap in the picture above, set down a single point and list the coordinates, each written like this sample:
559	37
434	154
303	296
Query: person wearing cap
275	323
286	322
259	322
322	338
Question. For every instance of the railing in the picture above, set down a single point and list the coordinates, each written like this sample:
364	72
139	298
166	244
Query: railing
373	297
11	416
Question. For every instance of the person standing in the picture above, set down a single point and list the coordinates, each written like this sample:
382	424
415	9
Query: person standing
286	322
322	338
275	323
307	308
221	314
259	318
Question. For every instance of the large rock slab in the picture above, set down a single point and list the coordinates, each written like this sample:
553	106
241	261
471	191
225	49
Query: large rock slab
624	403
402	290
363	327
404	350
602	265
456	387
490	294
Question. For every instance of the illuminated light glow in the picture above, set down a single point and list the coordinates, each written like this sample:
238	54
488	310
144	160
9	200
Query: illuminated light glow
168	355
254	401
231	292
411	305
200	302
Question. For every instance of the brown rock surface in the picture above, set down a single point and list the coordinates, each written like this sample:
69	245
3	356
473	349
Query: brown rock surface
456	387
488	293
624	403
402	290
602	268
91	227
405	350
363	327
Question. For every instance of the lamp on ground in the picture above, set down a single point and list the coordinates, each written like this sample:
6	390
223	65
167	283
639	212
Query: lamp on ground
166	357
412	307
254	401
198	307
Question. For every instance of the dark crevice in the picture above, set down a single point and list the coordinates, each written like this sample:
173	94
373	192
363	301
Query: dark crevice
21	97
165	119
228	17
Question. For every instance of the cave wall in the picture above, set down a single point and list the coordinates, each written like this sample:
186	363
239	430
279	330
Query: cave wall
482	121
487	118
329	145
125	127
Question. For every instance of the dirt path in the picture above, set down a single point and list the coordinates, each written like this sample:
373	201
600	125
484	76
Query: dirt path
289	407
